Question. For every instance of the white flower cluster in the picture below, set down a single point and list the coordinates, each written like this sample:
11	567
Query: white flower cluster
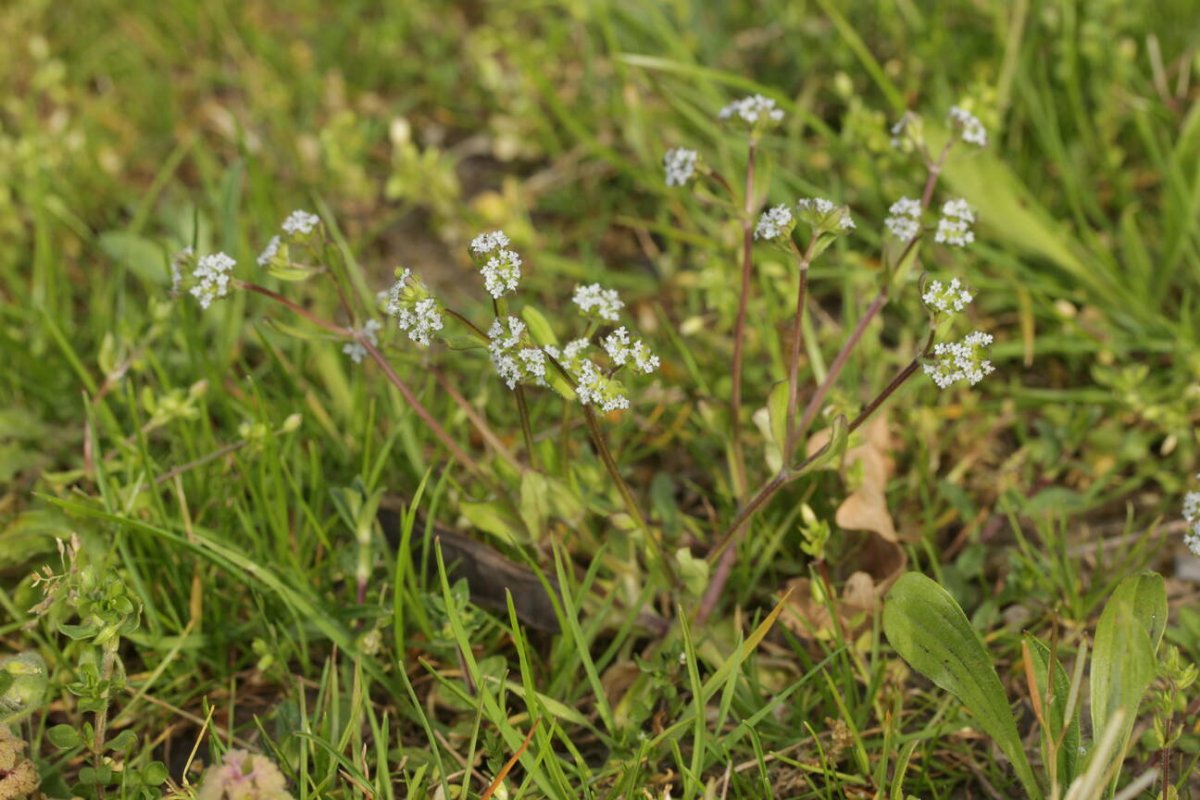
594	301
1191	514
485	243
415	310
904	219
502	267
955	361
752	109
269	252
969	125
824	214
515	361
571	356
211	278
620	350
947	299
593	388
773	223
300	223
354	348
955	225
680	165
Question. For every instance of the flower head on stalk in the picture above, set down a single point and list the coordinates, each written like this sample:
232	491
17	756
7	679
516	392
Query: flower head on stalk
680	165
1191	515
500	266
904	219
955	361
775	224
754	110
825	216
415	310
208	279
621	350
597	302
955	225
515	357
968	126
300	224
943	299
355	348
593	387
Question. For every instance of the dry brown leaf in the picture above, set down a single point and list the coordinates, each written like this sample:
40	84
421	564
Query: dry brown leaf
865	509
876	565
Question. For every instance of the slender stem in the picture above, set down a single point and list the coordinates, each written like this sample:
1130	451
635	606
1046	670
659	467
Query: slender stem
457	452
726	548
481	426
835	369
738	467
434	426
526	428
475	330
631	505
794	360
294	307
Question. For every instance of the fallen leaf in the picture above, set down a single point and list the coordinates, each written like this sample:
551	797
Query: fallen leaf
865	509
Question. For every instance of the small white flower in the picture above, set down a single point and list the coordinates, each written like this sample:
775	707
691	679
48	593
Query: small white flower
502	273
269	252
773	222
620	349
485	243
955	361
680	164
354	348
598	302
514	360
300	223
972	129
593	388
904	220
415	310
212	278
752	109
1192	538
947	299
1191	506
570	356
824	215
955	225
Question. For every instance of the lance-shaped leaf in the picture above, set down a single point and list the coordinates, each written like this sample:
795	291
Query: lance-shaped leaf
930	631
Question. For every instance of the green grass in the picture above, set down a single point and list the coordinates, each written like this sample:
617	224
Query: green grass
157	433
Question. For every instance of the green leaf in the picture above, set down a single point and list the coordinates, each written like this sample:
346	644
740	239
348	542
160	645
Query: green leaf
140	255
155	773
930	631
539	327
64	737
123	742
1127	637
1055	715
535	503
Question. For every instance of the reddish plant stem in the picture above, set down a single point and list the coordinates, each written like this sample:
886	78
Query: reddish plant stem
294	307
738	467
797	338
835	369
726	548
484	430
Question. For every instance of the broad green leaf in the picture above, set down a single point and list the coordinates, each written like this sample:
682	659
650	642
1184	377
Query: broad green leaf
139	255
1055	714
539	327
535	503
64	737
1127	637
930	631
